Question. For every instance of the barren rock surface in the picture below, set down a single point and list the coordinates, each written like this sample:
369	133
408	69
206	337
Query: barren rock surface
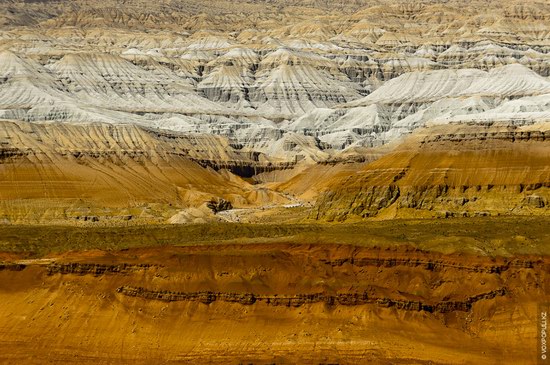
256	71
254	90
273	182
272	303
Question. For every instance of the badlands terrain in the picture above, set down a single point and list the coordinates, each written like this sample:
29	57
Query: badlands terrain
386	165
126	112
462	291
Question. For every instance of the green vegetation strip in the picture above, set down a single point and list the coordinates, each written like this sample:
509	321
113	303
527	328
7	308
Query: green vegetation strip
492	236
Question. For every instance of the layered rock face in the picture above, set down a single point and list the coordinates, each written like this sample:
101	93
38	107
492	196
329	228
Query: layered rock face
170	169
118	173
448	171
361	74
258	88
284	303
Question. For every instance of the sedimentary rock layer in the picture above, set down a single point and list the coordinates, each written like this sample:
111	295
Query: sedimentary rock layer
98	172
304	299
135	105
339	76
448	171
292	299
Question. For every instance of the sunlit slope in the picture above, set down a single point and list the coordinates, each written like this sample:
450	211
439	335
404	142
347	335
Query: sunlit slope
448	171
62	171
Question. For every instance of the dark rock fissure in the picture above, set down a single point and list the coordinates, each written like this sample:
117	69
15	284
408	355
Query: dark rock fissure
347	299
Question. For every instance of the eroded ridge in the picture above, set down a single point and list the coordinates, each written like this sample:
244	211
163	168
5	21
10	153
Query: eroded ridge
337	301
348	299
95	269
434	265
12	266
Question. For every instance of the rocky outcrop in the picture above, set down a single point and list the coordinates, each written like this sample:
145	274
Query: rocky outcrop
433	265
12	267
346	299
122	167
449	171
440	201
7	153
245	168
213	87
322	296
348	79
535	201
95	269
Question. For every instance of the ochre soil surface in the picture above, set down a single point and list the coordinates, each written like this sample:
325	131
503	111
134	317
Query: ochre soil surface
276	303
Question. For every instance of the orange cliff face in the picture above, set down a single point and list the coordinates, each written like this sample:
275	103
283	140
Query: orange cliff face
303	182
112	109
118	173
446	171
281	303
53	174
